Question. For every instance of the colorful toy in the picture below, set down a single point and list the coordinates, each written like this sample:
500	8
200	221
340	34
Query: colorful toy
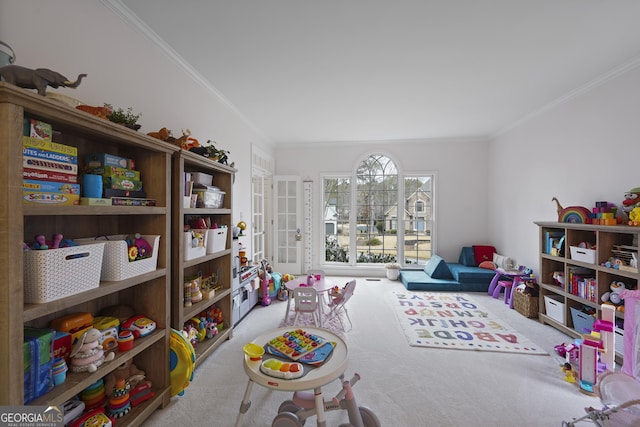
572	214
266	300
631	200
296	411
634	216
140	325
119	403
94	418
87	354
139	248
612	297
182	362
128	372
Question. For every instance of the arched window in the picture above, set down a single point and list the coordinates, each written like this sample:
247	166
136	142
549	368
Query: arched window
377	215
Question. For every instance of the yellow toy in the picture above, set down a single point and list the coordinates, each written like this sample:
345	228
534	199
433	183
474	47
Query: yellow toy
634	216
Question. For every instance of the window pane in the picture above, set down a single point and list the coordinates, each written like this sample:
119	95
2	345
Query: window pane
418	219
336	202
376	198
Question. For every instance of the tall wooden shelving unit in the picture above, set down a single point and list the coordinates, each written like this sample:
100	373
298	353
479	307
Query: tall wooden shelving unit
606	239
148	294
219	262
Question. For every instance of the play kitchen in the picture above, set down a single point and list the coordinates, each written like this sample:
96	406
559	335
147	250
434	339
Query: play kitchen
243	292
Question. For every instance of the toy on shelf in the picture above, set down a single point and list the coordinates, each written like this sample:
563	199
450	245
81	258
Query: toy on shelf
57	241
612	297
631	200
138	248
119	403
95	417
634	216
139	325
128	372
87	354
572	214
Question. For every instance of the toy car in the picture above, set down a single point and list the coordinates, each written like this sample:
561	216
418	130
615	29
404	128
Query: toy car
139	325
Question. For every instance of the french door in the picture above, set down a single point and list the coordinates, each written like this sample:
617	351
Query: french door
288	225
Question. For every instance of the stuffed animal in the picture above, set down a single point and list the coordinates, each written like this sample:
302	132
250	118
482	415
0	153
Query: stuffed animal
631	200
612	297
128	372
87	353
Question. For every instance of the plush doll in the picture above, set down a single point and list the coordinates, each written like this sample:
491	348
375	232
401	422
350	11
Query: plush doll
87	354
128	372
612	297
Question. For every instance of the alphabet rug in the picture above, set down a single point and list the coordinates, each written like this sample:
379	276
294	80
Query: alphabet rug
455	321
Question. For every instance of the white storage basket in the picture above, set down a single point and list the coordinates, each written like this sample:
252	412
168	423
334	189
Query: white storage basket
58	273
115	263
199	248
216	240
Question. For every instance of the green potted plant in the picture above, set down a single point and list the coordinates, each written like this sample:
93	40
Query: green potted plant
126	118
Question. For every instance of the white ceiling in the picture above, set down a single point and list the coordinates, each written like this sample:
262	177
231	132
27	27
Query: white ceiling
351	70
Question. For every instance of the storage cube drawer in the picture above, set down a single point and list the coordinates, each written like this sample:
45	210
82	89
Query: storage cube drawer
583	254
554	307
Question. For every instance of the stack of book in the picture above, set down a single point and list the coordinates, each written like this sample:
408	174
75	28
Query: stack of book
50	169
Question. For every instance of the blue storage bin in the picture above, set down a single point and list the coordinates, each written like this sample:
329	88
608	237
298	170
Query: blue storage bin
582	322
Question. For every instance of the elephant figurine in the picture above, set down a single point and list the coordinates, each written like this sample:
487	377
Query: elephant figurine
38	79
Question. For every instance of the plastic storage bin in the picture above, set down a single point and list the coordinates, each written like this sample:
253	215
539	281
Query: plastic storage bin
582	322
115	262
554	308
195	244
583	254
216	240
58	273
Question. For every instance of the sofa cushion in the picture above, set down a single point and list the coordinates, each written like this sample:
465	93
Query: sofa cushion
464	274
437	268
483	253
417	280
466	256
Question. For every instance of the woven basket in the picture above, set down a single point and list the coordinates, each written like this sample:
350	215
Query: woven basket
526	305
57	273
115	263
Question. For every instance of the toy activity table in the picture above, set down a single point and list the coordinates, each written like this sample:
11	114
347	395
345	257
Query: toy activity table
322	286
511	275
317	377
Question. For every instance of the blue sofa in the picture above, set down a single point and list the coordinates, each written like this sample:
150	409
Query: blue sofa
438	275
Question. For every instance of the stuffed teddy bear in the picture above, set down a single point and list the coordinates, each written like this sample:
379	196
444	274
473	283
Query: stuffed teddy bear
128	372
87	354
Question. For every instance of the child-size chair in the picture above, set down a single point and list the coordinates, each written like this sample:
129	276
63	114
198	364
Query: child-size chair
338	304
306	301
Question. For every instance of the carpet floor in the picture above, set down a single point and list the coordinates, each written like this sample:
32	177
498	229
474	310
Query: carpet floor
402	384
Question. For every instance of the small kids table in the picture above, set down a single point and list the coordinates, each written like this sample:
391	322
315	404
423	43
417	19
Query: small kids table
317	377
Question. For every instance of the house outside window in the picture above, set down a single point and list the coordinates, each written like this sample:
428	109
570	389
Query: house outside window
363	222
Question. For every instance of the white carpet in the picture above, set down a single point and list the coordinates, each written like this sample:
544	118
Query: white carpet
403	385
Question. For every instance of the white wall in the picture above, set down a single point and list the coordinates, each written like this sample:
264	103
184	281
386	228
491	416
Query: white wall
127	69
461	182
582	151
